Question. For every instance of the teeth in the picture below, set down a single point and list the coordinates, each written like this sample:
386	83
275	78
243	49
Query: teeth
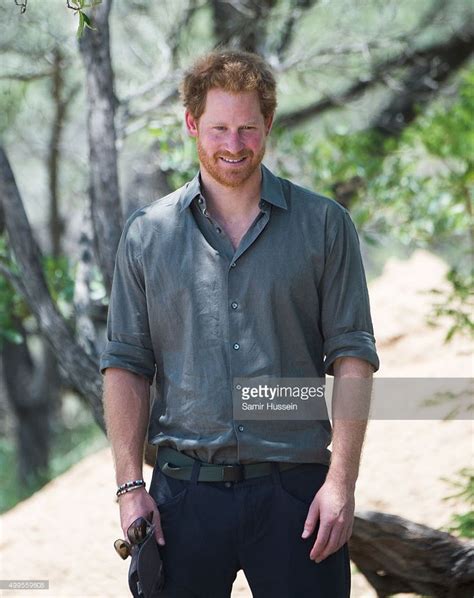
232	161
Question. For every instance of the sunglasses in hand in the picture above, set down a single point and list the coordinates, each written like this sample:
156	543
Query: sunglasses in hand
136	534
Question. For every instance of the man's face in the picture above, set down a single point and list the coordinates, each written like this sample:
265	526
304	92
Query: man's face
230	136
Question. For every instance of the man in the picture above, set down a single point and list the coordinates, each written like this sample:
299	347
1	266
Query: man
239	274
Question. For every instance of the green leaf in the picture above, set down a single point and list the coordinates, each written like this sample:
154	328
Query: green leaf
87	20
13	336
80	28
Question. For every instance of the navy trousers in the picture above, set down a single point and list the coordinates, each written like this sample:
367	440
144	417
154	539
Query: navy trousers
214	529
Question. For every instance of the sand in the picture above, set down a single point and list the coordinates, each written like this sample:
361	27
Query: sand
65	532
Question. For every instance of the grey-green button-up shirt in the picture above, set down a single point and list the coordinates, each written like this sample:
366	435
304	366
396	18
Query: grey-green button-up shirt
189	308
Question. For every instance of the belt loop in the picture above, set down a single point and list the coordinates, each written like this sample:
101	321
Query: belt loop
276	474
195	472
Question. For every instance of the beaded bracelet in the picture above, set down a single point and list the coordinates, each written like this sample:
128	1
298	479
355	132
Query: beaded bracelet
125	490
129	486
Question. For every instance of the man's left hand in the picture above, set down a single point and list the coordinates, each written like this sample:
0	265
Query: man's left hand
334	506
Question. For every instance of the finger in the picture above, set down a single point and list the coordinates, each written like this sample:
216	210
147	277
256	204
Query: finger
333	544
345	534
125	527
126	523
311	520
159	535
322	538
349	532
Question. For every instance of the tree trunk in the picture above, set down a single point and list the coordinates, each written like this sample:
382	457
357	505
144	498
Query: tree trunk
31	404
101	101
56	225
78	367
147	182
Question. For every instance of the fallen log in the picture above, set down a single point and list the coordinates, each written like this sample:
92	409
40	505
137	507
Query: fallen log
397	556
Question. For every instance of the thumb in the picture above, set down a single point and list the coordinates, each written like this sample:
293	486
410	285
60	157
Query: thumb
311	520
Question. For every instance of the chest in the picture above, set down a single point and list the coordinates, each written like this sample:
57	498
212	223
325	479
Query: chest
192	285
236	229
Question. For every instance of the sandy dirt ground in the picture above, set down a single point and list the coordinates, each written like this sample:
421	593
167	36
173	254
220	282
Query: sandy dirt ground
64	533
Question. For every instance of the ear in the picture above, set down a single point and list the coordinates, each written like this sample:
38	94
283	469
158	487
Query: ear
191	124
269	123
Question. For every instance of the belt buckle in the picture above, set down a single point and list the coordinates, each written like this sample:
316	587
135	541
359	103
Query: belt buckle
232	473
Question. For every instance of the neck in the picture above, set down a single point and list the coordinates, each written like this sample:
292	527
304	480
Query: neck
231	203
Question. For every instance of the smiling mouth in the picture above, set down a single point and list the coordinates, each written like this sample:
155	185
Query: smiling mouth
229	161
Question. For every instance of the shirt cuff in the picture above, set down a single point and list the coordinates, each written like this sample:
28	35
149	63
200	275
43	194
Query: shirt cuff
359	344
128	357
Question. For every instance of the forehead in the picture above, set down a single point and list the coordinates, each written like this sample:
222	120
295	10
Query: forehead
221	103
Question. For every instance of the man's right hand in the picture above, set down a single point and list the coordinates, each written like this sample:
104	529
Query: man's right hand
138	503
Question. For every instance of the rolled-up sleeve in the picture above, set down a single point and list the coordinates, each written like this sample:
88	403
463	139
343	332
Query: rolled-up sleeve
129	344
346	322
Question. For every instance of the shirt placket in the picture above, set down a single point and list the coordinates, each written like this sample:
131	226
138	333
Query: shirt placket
214	233
237	315
235	302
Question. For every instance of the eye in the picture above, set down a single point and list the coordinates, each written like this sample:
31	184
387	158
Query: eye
219	128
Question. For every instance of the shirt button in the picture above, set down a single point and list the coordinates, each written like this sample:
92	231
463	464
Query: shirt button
219	230
261	204
200	200
236	346
234	305
241	428
238	387
233	265
204	212
227	484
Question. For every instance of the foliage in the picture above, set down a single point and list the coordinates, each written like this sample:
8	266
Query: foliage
12	305
60	280
176	150
457	304
13	308
77	6
418	187
463	524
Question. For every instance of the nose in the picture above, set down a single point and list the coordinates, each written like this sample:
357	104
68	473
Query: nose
234	143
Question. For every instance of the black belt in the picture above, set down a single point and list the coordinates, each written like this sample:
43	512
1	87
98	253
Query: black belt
178	465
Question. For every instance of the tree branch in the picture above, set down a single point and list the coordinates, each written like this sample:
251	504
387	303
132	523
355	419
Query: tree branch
451	54
296	117
298	7
429	71
25	77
